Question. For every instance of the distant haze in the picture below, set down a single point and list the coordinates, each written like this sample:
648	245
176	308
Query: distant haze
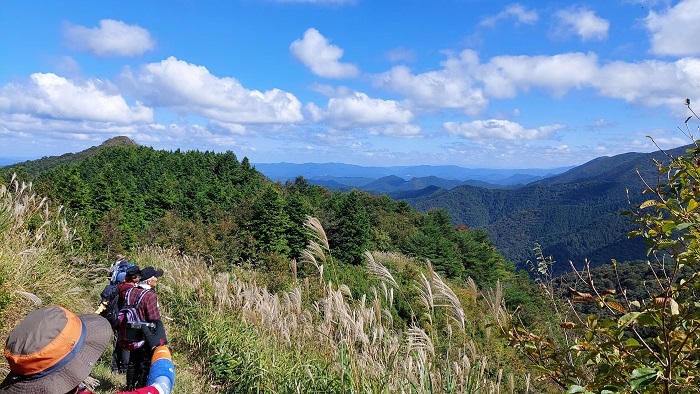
353	175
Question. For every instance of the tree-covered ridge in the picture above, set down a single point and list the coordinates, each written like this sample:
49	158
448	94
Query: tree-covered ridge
231	334
212	204
573	216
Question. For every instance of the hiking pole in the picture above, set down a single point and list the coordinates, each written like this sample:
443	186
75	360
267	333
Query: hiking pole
178	321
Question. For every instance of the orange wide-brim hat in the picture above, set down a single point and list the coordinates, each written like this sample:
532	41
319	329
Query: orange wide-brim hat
52	351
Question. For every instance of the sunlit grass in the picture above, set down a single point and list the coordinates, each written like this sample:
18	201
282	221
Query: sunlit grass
229	333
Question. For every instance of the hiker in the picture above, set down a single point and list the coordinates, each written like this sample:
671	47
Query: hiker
109	308
133	276
139	358
51	351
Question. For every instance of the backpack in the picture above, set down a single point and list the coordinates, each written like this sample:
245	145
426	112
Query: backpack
110	298
118	271
130	334
110	294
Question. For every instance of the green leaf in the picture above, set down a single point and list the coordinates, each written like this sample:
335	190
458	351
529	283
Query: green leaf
628	319
577	389
667	226
632	343
647	204
683	226
692	205
647	319
643	377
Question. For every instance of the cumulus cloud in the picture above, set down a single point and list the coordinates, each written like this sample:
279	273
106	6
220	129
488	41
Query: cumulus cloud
676	31
504	76
465	83
582	22
651	83
486	130
361	110
190	89
397	130
110	38
316	52
51	96
513	11
451	87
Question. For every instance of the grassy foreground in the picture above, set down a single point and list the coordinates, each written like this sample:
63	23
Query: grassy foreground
229	334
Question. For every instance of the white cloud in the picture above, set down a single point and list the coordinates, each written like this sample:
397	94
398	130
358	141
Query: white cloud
55	97
504	76
190	89
230	128
111	38
676	32
397	130
465	83
486	130
450	87
361	110
315	51
517	11
651	83
582	22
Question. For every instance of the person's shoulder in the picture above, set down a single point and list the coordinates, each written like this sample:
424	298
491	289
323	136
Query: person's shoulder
149	292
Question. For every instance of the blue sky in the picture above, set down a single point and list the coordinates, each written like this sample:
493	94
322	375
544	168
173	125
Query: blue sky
475	83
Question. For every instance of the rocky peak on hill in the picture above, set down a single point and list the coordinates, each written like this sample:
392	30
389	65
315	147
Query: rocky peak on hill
118	141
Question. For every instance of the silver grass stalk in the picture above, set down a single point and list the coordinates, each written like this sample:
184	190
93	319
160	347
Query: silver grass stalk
472	289
29	296
425	297
494	299
345	290
379	271
454	306
418	340
317	229
316	250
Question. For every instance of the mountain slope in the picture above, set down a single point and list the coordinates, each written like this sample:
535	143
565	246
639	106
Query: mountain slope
574	215
34	167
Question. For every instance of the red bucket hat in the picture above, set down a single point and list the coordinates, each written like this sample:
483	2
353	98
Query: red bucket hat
52	350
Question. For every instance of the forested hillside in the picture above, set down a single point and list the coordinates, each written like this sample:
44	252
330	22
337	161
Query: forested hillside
574	216
274	287
212	204
318	289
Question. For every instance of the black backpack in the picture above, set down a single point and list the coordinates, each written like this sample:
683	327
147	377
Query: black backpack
130	334
110	296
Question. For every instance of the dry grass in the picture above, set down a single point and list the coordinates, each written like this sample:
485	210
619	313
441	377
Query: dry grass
356	334
35	255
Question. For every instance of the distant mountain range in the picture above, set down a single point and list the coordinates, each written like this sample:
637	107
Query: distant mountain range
573	213
8	161
574	216
338	176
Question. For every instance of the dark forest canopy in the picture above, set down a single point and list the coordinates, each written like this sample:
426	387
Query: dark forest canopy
214	205
574	216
